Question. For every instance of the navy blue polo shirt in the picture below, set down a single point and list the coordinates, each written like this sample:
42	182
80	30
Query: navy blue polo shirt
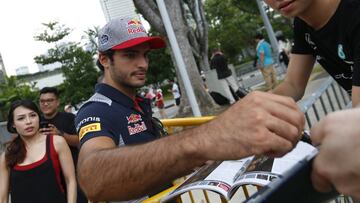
111	113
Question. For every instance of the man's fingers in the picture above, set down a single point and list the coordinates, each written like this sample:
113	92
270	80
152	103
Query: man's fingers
284	129
285	109
283	100
277	146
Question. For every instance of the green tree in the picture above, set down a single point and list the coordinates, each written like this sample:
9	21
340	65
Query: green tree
161	66
11	90
77	64
232	26
191	30
233	23
91	38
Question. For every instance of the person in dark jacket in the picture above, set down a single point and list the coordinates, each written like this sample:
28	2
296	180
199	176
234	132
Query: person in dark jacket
224	74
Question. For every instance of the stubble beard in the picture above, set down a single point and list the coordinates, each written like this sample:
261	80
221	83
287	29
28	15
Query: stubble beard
122	81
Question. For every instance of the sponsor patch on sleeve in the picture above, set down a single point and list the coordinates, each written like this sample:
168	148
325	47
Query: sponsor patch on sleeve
93	127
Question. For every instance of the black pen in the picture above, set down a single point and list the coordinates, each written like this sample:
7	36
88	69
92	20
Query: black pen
305	137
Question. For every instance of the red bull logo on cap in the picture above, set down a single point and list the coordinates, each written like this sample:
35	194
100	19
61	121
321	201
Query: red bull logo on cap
134	22
135	26
133	118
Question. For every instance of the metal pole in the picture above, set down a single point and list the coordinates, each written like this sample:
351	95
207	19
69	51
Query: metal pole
269	30
178	58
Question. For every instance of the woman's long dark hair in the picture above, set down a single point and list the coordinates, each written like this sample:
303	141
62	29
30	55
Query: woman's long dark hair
16	151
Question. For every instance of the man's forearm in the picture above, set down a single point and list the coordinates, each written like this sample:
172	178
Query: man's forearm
355	97
107	172
288	89
129	172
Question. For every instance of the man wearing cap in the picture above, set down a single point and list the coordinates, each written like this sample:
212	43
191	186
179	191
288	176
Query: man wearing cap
121	157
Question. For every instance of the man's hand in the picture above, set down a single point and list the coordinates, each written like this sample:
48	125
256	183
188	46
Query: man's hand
261	123
51	130
338	163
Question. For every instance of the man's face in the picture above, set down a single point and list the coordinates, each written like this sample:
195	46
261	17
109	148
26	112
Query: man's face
130	66
49	104
290	8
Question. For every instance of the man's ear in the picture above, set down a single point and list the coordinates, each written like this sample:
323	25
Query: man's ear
104	60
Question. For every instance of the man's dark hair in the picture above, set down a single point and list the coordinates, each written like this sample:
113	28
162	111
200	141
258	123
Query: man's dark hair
108	53
259	36
49	90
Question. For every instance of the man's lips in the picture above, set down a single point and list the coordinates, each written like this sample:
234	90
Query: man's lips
139	74
285	4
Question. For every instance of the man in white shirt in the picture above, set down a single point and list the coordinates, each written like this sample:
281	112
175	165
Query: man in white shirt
176	92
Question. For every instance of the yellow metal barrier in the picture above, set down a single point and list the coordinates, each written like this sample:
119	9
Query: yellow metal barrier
169	124
156	198
186	121
181	122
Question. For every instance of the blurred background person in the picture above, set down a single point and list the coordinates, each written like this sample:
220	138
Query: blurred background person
265	61
159	102
284	46
60	123
68	108
175	90
34	164
224	74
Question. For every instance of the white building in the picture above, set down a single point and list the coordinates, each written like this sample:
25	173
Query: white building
49	67
23	70
118	8
40	80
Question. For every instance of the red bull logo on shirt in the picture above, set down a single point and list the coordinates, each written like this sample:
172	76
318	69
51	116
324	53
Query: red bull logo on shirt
139	127
133	118
135	26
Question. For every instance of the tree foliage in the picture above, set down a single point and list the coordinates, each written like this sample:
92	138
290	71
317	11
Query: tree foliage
191	30
161	66
10	91
77	64
233	24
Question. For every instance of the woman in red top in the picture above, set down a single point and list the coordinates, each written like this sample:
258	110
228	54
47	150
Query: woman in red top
35	167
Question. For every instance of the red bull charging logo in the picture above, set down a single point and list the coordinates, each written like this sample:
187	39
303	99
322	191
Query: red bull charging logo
134	26
133	118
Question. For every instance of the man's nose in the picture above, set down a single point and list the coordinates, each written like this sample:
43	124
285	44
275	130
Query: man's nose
143	62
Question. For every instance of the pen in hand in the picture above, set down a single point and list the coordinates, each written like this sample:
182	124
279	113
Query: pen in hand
305	137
